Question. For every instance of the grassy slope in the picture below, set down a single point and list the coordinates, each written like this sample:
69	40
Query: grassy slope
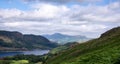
64	47
104	50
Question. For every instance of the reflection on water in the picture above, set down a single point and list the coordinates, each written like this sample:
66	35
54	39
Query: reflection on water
34	52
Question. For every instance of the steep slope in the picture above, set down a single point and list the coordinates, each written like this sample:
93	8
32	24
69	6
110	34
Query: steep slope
15	40
63	39
104	50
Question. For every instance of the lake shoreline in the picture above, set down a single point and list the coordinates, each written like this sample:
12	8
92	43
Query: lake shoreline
28	52
19	49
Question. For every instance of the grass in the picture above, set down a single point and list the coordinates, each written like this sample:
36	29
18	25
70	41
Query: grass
104	50
14	62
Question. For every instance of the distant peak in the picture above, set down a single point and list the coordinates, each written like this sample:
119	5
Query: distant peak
57	34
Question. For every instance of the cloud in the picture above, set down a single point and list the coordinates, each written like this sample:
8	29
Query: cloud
90	20
62	1
8	13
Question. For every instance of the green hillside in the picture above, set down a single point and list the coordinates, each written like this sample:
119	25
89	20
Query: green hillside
18	41
104	50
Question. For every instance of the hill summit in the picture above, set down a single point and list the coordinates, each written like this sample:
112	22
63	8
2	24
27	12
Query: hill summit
113	32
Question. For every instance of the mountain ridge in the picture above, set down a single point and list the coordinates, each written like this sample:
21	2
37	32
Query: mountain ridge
14	39
63	38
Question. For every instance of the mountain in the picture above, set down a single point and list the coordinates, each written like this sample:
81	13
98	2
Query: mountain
103	50
16	40
62	38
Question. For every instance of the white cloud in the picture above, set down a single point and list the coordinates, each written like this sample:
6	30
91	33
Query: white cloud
50	18
25	24
115	5
9	13
49	10
62	1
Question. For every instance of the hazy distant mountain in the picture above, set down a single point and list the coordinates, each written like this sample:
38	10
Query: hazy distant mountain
62	38
16	40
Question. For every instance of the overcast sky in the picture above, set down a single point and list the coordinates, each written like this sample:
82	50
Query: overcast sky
72	17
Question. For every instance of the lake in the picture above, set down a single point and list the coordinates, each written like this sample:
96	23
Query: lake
12	53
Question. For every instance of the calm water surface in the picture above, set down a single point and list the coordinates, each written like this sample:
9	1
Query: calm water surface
12	53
